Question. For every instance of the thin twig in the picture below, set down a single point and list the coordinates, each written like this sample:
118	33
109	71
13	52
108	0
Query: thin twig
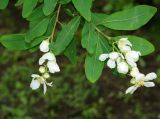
103	34
54	27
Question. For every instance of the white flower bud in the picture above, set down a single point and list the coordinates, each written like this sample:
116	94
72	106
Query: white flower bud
111	63
44	46
134	72
103	57
42	69
113	55
46	75
122	67
124	45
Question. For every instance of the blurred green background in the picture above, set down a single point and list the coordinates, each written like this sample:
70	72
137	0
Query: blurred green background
72	96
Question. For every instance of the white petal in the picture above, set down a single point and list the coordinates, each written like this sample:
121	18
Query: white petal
44	88
53	67
125	49
149	84
44	46
150	76
125	41
47	56
49	84
113	55
35	84
134	72
131	62
134	55
103	57
35	76
111	63
131	89
140	77
122	68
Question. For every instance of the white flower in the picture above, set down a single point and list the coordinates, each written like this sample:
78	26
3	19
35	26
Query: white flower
37	80
44	46
113	56
111	63
134	72
47	56
122	67
124	45
133	55
53	67
103	57
141	80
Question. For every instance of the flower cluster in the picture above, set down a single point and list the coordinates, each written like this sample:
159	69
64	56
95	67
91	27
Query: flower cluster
48	65
125	60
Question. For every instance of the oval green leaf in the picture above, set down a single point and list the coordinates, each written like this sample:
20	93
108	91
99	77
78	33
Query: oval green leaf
49	6
84	8
65	36
130	19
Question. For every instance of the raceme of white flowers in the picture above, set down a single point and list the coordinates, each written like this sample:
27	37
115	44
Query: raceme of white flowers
47	64
125	60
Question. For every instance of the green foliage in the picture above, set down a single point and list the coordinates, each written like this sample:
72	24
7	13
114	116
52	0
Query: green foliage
44	20
49	6
83	6
37	30
65	1
89	37
28	6
3	4
71	52
14	41
94	67
130	19
65	36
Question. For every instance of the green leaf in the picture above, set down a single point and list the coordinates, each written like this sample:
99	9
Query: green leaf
14	42
83	6
130	19
89	38
65	36
38	30
19	2
71	52
94	67
97	18
64	1
49	6
28	6
50	25
3	4
37	14
37	41
139	44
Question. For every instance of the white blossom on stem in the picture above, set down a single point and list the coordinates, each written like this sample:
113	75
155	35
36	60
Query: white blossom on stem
44	46
124	45
141	80
37	80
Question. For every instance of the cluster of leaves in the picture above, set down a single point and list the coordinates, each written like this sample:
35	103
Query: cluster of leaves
42	16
